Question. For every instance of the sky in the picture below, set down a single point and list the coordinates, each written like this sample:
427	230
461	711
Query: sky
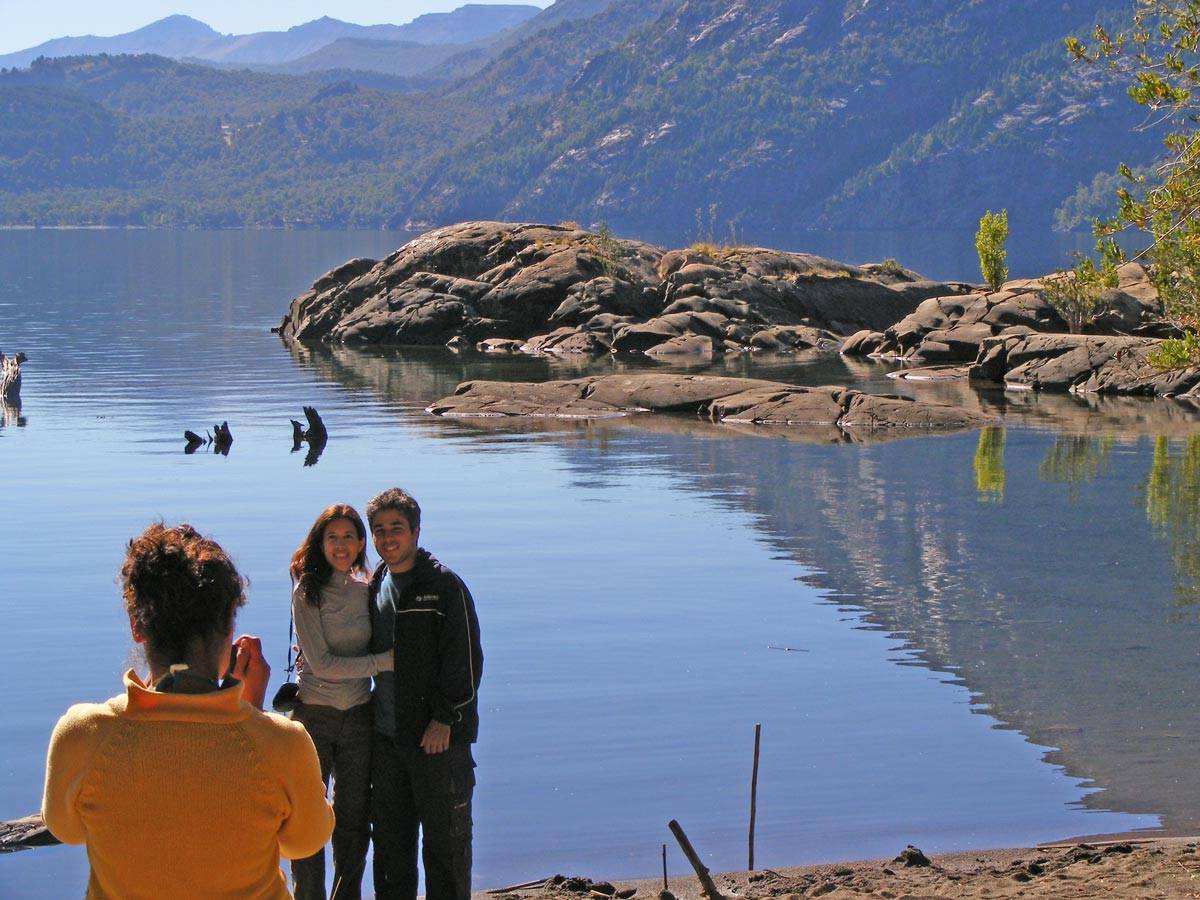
27	24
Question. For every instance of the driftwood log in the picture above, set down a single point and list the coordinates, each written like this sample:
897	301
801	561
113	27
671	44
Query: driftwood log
708	886
10	378
21	834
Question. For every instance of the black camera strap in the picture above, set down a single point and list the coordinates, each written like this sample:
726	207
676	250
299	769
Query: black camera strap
291	666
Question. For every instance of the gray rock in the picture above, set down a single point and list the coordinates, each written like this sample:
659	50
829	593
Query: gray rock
863	343
642	337
500	345
1081	364
568	340
794	337
688	345
732	400
487	280
954	329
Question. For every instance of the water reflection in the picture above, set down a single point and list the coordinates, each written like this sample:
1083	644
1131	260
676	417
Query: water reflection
989	465
1074	459
1056	615
10	415
1172	497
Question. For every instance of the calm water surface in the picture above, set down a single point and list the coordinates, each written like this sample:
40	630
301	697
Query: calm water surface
993	634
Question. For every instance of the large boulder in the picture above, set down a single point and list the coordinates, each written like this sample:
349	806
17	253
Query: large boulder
732	400
1081	364
484	280
953	329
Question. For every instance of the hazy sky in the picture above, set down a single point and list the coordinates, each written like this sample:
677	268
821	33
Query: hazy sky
26	23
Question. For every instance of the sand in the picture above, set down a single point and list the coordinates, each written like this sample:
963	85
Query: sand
1165	868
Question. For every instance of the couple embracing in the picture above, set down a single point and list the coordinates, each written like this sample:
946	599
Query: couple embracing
400	755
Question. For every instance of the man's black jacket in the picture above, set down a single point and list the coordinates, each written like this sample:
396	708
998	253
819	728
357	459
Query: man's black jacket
438	658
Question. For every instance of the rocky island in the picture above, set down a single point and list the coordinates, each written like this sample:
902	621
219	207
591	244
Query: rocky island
559	289
500	287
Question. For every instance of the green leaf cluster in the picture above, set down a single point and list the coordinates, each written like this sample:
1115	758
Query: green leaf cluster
1159	51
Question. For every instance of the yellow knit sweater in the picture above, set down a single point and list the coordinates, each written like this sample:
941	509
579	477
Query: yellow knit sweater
184	795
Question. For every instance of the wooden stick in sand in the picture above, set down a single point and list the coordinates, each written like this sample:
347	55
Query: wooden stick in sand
754	793
706	882
666	887
518	887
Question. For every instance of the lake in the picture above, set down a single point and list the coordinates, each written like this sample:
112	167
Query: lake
971	640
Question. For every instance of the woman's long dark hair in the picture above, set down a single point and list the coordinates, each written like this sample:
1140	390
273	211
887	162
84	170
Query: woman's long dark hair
310	569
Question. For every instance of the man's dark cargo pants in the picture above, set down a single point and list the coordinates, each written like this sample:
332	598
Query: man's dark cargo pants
411	789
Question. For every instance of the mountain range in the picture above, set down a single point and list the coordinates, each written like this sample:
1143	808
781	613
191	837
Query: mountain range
667	119
184	38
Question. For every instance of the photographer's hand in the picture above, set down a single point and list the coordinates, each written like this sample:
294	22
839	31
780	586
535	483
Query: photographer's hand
251	669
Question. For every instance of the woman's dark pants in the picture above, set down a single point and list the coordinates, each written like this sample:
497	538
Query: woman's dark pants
343	742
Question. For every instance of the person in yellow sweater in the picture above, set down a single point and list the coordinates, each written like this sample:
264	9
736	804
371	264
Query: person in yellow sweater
181	786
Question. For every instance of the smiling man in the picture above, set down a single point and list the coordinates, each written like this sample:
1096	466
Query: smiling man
426	711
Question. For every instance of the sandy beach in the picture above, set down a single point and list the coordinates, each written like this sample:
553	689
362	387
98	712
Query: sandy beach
1143	869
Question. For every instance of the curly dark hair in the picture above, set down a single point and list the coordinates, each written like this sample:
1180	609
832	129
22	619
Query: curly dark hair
179	587
399	500
309	567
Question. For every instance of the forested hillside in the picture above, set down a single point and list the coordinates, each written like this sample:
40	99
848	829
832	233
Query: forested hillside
779	111
756	117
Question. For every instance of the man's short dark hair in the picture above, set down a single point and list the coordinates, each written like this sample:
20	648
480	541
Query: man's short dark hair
399	500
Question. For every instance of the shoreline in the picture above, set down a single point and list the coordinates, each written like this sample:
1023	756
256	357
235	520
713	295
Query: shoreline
1129	865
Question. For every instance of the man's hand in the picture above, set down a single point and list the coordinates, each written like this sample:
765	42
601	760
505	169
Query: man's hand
436	738
251	669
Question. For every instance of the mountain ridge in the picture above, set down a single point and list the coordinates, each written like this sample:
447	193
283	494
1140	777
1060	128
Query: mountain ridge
670	119
183	37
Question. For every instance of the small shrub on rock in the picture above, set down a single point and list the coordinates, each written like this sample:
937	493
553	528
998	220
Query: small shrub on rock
1075	294
1176	353
989	244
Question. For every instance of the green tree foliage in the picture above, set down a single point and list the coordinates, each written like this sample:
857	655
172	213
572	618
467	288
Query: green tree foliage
989	244
742	110
1159	50
1076	294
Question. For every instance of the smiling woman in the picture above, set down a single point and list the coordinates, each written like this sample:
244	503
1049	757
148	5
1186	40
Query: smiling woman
333	627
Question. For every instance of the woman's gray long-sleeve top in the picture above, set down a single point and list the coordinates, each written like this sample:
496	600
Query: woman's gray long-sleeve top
335	666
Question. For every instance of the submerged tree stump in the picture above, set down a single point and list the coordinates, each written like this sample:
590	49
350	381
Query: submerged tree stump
10	378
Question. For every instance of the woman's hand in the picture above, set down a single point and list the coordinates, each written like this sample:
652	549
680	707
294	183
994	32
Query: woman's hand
251	669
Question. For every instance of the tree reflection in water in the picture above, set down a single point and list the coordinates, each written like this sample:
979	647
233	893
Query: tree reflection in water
1172	495
1073	459
989	465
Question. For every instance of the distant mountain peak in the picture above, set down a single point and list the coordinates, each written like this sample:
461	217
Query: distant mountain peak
179	24
323	22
